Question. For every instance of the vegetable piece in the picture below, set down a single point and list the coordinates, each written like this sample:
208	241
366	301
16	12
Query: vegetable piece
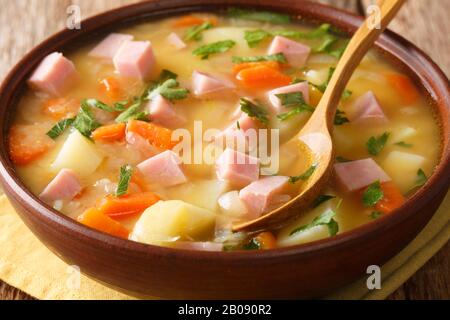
127	205
403	168
255	37
110	88
262	77
295	101
305	176
85	122
266	240
322	87
195	32
391	200
404	86
189	21
404	144
325	219
61	108
157	136
59	128
213	48
340	118
278	57
375	215
97	220
110	133
254	111
169	89
126	172
117	107
421	178
231	205
263	16
376	144
373	194
133	113
270	64
168	221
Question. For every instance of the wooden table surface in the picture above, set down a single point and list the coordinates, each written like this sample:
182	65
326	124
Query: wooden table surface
425	23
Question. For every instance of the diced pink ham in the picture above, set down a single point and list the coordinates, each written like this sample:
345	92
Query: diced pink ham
355	175
204	84
241	136
164	169
54	75
198	246
174	40
277	107
109	46
135	59
237	168
261	194
367	109
161	112
296	53
65	186
139	143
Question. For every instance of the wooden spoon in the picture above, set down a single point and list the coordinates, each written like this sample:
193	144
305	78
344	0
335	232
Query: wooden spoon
316	133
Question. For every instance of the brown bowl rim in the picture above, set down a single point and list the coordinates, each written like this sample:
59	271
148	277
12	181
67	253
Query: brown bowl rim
391	43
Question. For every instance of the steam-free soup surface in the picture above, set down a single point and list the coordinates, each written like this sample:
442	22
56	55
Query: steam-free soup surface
115	134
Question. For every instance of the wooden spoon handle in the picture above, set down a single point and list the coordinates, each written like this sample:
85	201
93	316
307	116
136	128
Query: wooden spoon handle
359	45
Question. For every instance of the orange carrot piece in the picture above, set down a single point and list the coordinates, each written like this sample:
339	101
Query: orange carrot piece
138	179
110	133
110	88
392	200
157	136
61	108
189	21
246	65
262	77
404	86
125	206
97	220
266	240
26	144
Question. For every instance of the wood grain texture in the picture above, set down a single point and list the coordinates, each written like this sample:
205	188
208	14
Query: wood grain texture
425	23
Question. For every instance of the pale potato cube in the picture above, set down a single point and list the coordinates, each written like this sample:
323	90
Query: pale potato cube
173	220
402	167
227	33
231	205
78	154
403	133
317	77
201	193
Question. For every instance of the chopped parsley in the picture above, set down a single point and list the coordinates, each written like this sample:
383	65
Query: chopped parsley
254	111
133	113
325	219
279	57
322	87
169	89
124	180
376	144
375	215
340	118
216	47
322	199
404	144
59	128
195	33
305	176
255	37
117	107
253	244
262	16
85	122
296	102
373	194
238	125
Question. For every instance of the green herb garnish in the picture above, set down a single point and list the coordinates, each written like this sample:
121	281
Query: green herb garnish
325	219
255	37
253	244
169	89
85	122
279	57
59	128
133	113
216	47
376	144
340	118
375	215
117	107
263	16
322	199
404	144
296	102
238	125
322	87
195	33
305	176
124	180
373	194
254	111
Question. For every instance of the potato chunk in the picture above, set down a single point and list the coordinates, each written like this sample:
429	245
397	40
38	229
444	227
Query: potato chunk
168	221
402	167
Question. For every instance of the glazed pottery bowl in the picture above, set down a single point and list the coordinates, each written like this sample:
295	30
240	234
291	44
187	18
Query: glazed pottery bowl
309	270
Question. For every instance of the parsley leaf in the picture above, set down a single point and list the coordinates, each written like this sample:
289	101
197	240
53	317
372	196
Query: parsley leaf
373	194
195	33
421	178
279	57
404	144
254	111
263	16
168	89
255	37
59	128
375	215
340	118
294	100
133	113
305	176
85	122
325	219
216	47
124	180
253	244
118	106
376	144
322	199
322	87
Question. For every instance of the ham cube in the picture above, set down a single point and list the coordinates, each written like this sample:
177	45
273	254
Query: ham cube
109	46
164	169
65	186
367	109
275	102
261	194
135	59
54	75
175	41
162	112
296	53
355	175
245	137
237	168
204	84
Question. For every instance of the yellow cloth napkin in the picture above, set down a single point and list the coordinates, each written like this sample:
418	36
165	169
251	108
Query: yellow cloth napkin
28	265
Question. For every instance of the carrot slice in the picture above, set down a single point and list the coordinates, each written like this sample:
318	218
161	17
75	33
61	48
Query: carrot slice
97	220
27	143
138	179
189	21
392	200
246	65
60	108
125	206
404	86
266	240
262	77
110	88
157	136
110	133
